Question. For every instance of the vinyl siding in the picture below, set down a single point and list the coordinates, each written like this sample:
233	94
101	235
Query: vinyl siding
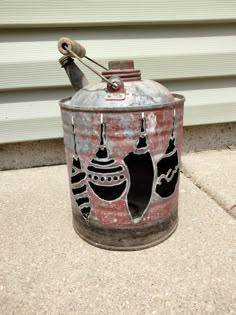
189	46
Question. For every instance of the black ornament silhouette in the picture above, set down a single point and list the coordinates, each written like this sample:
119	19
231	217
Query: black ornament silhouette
78	184
108	181
168	168
106	178
141	172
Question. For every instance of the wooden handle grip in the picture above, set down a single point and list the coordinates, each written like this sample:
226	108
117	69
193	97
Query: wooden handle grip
72	45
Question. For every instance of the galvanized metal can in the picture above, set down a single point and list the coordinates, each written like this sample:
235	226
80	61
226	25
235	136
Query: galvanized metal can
123	149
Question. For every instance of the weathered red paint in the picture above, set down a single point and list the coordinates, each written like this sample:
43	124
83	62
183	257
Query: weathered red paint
108	220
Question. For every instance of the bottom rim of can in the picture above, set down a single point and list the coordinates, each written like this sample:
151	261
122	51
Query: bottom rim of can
128	248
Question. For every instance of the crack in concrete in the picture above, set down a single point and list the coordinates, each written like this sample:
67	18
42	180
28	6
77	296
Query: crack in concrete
231	212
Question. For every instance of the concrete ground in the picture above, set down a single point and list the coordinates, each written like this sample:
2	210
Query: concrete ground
45	268
215	173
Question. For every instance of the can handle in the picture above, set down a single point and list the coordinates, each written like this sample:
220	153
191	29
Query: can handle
71	48
64	43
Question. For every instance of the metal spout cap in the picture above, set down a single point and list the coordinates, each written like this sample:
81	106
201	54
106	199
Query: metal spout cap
124	69
121	64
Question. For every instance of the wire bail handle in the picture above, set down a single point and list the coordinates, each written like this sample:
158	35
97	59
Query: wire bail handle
71	48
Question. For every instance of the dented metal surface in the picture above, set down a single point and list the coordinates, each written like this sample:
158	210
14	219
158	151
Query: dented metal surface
123	152
139	94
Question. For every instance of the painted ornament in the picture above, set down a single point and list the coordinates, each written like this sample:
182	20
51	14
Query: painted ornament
168	168
78	183
106	177
141	172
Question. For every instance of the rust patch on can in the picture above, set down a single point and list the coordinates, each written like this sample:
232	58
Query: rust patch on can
123	150
116	156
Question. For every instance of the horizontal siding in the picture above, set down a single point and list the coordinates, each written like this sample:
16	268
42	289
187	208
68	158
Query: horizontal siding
186	54
35	64
91	12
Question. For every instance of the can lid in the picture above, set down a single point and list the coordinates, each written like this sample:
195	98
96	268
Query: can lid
121	64
123	69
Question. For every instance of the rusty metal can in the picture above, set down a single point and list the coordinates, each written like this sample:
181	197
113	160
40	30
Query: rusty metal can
123	147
